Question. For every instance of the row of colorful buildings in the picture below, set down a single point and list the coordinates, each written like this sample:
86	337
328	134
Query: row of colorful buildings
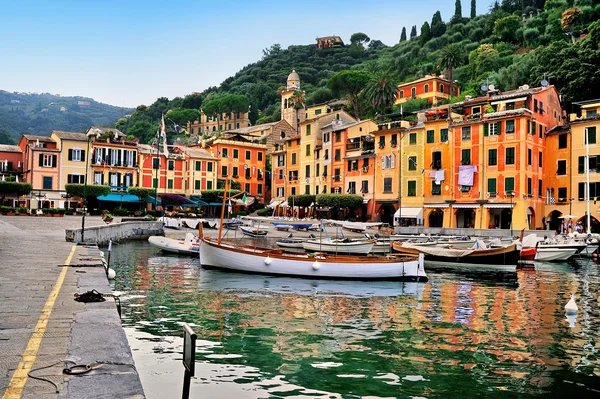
512	160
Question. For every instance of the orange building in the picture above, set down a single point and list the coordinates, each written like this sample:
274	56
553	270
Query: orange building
243	159
164	173
114	159
432	88
11	158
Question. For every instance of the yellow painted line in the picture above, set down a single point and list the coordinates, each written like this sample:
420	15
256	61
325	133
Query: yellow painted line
19	378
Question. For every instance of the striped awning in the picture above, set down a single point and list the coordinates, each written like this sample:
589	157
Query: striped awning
465	206
499	205
438	205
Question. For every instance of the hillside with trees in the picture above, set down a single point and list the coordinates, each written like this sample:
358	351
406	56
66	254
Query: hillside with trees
33	113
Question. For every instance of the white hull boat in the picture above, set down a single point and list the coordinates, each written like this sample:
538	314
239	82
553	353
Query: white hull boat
292	243
230	256
343	246
189	246
545	254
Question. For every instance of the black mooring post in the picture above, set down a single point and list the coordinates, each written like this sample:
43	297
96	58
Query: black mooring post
108	258
189	358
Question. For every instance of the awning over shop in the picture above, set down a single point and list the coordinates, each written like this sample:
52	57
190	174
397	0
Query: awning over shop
119	198
366	200
442	205
409	212
465	206
395	201
273	204
150	200
499	205
215	204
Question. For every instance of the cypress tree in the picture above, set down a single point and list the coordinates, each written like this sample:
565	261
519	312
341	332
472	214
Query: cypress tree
403	34
438	27
457	10
425	33
473	9
413	32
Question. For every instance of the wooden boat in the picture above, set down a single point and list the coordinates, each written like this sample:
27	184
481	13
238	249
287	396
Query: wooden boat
340	246
295	243
235	257
253	232
502	259
189	246
551	254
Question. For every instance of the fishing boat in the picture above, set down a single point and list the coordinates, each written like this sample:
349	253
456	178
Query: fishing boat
341	246
253	231
551	254
292	242
189	246
528	253
503	259
248	259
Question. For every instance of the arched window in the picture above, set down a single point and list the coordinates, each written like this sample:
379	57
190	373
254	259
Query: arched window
401	93
441	88
285	103
426	88
413	92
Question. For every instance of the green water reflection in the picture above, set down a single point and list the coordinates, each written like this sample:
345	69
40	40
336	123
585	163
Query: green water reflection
455	336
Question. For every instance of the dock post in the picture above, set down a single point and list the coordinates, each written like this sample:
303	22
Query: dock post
189	358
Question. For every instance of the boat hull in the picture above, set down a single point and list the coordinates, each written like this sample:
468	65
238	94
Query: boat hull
175	246
490	260
229	256
253	232
294	244
554	254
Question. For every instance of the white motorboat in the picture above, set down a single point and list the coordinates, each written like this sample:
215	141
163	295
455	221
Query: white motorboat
553	254
339	246
189	246
235	257
291	243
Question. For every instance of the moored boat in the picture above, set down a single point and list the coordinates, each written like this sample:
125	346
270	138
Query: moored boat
503	259
553	254
340	246
189	246
528	253
230	256
253	232
295	243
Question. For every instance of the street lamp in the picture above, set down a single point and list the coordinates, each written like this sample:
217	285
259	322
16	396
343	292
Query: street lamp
90	133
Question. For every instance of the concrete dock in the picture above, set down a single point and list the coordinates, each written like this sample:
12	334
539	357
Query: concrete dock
43	330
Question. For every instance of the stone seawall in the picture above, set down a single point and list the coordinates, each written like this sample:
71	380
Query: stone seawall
139	230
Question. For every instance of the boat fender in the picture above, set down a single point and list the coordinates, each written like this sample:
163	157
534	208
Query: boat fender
268	261
111	274
571	306
316	265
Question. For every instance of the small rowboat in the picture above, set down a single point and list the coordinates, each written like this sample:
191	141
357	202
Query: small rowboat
253	232
189	246
528	253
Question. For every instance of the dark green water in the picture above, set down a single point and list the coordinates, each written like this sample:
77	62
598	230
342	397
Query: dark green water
454	336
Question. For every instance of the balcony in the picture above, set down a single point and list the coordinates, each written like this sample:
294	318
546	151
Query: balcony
353	146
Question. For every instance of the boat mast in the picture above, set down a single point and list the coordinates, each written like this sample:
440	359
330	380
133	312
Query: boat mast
223	209
587	180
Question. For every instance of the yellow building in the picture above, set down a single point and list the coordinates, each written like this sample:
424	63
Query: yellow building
412	168
73	152
387	173
225	121
289	111
432	88
312	150
268	132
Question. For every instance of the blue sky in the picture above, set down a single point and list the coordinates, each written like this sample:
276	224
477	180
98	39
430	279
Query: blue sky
128	52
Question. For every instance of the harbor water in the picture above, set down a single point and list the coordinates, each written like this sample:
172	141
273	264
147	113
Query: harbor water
456	335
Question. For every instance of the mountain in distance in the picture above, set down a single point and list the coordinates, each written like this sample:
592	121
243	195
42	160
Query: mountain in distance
34	113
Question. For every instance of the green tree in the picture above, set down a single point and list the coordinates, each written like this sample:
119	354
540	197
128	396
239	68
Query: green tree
304	200
350	83
381	93
425	35
438	27
413	32
90	190
506	28
473	9
192	101
349	201
452	56
143	130
9	187
359	38
403	34
457	11
183	116
6	137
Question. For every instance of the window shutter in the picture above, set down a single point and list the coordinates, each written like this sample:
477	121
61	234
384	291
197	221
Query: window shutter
118	179
41	159
485	130
70	156
598	163
498	126
82	155
54	161
581	165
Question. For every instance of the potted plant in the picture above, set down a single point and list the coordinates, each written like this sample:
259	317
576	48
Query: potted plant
59	213
48	212
22	211
107	217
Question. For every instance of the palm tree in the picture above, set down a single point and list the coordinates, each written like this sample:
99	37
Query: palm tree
452	56
381	92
